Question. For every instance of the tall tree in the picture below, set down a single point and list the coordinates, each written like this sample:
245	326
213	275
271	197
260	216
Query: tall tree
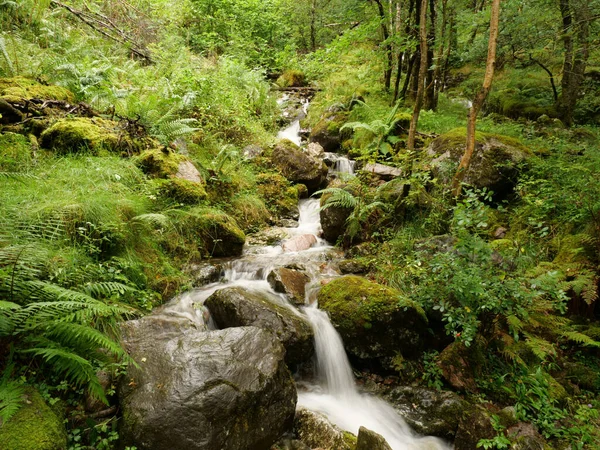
479	99
575	37
387	45
421	78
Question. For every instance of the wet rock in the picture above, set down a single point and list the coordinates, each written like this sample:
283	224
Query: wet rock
237	307
218	390
34	426
428	411
205	273
316	431
369	440
290	282
352	266
375	322
290	444
269	236
299	243
298	166
496	163
457	369
382	171
327	132
475	424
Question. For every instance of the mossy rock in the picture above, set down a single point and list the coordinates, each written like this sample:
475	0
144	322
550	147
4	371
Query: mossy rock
375	321
217	234
26	88
298	166
496	163
280	197
328	132
292	78
183	191
34	427
15	152
402	123
160	162
74	135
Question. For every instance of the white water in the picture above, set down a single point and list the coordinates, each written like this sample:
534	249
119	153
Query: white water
341	164
337	398
334	394
292	132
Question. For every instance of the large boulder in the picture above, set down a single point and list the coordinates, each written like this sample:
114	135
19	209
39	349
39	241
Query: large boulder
495	165
475	424
382	171
369	440
82	134
218	390
28	89
216	234
428	411
376	322
457	366
327	130
238	307
290	282
299	243
333	218
34	426
316	431
298	166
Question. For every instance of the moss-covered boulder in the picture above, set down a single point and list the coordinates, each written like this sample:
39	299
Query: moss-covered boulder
496	163
280	197
238	307
27	89
34	427
457	366
215	233
292	78
475	424
327	131
8	113
182	191
74	135
316	431
298	166
160	162
333	218
376	322
15	152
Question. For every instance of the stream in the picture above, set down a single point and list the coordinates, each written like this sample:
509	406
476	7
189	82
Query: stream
332	391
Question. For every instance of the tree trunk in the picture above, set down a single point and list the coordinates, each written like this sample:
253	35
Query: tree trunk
576	56
439	59
429	98
313	28
409	70
420	79
479	99
387	73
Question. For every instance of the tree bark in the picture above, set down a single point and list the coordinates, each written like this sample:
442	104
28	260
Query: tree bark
576	56
429	99
388	46
421	78
479	99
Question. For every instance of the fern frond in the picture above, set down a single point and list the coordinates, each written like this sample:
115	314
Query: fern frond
77	369
541	348
153	219
580	338
11	399
82	338
339	198
106	289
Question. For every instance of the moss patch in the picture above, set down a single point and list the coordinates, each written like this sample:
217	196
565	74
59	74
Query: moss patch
216	233
80	134
159	163
34	426
25	88
292	78
280	197
182	191
15	152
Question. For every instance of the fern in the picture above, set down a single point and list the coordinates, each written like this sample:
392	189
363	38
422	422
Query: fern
338	198
580	338
7	68
11	394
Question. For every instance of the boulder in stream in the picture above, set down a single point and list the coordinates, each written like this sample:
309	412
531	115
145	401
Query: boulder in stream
290	282
299	243
299	166
369	440
327	131
218	390
376	322
238	307
316	431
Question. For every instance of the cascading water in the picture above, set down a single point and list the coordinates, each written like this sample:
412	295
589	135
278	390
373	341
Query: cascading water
334	392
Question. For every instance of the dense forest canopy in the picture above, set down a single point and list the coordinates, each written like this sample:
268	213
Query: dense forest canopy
138	140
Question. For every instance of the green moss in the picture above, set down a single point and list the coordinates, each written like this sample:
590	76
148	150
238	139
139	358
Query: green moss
183	191
330	124
355	301
292	78
349	439
15	152
80	134
25	88
33	427
160	163
278	194
214	233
